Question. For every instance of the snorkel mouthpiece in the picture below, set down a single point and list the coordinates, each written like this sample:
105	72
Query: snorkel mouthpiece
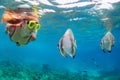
33	25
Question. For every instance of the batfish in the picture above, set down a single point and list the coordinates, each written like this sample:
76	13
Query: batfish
107	42
67	44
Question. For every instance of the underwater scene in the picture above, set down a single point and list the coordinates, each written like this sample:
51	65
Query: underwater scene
60	40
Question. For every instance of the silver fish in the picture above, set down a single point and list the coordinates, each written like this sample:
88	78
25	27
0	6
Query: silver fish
67	44
107	42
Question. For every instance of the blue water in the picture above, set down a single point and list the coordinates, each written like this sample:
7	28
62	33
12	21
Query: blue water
88	33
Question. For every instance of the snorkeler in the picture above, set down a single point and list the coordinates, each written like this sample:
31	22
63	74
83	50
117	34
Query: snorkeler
22	25
107	42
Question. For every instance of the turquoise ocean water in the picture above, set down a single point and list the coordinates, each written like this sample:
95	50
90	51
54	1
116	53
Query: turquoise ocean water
41	59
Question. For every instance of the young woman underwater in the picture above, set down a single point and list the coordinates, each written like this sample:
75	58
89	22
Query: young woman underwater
22	25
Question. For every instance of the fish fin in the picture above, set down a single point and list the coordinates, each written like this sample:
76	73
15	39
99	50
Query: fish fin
75	44
112	44
73	52
61	48
62	53
102	45
110	47
59	45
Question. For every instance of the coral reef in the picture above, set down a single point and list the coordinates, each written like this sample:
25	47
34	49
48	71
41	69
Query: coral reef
15	71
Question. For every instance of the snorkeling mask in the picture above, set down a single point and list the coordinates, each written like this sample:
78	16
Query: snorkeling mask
33	25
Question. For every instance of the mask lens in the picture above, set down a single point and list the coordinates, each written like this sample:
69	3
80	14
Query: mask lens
31	24
37	26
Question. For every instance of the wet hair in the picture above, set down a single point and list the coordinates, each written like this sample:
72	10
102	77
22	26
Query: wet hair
20	14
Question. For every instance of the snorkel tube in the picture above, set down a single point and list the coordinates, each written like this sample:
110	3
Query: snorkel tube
34	25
